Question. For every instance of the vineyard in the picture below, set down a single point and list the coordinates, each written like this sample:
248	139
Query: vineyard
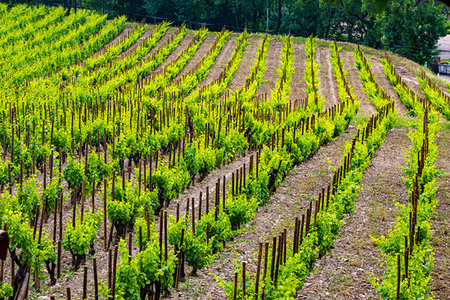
158	162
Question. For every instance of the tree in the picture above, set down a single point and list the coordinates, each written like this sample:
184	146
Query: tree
412	28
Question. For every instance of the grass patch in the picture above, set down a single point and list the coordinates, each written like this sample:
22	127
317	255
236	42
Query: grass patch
359	119
405	122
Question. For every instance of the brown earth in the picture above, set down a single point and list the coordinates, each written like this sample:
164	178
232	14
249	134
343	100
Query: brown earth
327	82
246	63
440	222
346	272
220	63
198	56
297	85
270	76
366	108
287	203
378	72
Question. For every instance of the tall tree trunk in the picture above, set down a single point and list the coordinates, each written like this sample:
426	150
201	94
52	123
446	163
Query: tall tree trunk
280	5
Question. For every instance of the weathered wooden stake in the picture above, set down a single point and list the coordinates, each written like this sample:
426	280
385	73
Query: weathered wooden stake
258	270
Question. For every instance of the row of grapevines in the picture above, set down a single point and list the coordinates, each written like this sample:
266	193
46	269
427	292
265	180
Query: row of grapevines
311	77
157	80
121	65
414	103
54	15
54	33
286	277
73	38
407	252
345	90
69	56
133	75
374	91
219	86
19	17
115	50
435	95
189	81
280	95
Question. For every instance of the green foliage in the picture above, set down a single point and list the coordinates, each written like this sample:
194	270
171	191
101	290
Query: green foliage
96	169
74	173
6	290
241	209
374	92
311	77
80	238
420	261
219	231
197	252
28	197
50	194
415	26
170	181
20	233
434	95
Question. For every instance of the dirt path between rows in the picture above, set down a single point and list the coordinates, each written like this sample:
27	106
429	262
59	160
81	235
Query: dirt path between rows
440	222
378	72
366	108
220	63
409	78
174	55
198	56
112	42
346	273
246	63
160	45
288	202
270	76
297	85
327	83
133	47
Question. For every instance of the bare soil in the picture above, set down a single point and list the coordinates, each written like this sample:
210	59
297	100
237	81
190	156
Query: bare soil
409	78
270	76
347	271
198	56
174	55
327	82
287	203
246	63
297	85
366	108
378	72
440	221
220	62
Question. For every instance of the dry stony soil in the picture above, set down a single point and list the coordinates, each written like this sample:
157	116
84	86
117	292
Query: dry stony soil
346	272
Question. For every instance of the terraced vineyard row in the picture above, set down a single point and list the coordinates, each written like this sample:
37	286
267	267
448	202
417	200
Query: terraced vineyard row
135	163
